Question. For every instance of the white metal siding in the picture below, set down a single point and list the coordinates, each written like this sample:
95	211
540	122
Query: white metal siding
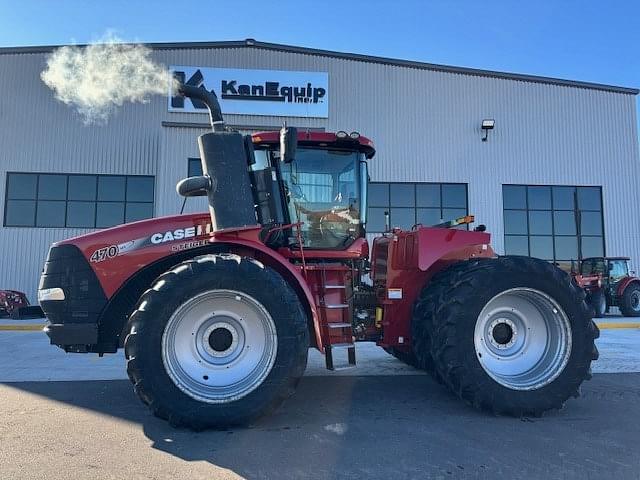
425	124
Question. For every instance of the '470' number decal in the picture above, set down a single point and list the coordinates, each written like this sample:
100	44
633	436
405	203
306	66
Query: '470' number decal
104	253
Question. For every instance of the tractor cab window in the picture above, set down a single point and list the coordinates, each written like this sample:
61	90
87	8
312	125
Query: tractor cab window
322	189
617	269
593	266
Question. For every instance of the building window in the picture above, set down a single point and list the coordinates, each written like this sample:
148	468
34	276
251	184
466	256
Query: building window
194	168
78	201
555	223
409	204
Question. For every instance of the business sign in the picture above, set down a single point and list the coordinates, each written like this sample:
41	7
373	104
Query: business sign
256	92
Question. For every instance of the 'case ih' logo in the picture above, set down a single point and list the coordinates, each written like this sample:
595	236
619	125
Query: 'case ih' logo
268	91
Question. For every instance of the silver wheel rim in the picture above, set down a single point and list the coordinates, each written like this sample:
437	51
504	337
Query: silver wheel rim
219	346
523	339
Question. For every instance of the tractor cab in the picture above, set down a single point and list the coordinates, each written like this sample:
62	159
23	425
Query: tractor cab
320	187
612	269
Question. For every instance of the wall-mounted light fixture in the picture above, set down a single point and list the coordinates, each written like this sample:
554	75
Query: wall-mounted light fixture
487	124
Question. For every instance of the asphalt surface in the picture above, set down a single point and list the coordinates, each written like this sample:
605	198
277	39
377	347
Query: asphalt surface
348	427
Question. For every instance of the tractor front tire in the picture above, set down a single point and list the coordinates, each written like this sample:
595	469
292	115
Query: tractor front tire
630	300
511	335
218	340
598	302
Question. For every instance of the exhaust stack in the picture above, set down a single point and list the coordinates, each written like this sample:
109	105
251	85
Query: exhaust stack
209	99
225	159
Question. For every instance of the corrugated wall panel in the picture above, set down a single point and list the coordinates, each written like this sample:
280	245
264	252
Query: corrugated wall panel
425	124
39	134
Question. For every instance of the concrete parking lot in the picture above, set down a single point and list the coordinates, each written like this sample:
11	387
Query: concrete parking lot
75	416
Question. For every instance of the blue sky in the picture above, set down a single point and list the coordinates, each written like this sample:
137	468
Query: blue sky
582	40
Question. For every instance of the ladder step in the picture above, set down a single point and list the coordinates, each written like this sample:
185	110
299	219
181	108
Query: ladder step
337	305
339	325
351	355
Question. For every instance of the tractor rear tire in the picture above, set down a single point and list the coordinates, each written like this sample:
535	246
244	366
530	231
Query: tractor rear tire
218	340
512	335
422	325
630	300
598	302
408	358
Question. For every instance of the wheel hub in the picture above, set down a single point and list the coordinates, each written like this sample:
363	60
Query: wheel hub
220	338
503	333
522	338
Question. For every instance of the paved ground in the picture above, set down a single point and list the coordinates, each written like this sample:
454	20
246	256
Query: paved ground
383	420
350	427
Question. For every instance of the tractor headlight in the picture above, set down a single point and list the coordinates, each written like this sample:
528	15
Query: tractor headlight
48	294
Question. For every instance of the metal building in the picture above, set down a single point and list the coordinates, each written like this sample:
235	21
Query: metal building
556	177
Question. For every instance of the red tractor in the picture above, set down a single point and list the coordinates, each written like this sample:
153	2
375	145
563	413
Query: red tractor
216	311
16	305
609	283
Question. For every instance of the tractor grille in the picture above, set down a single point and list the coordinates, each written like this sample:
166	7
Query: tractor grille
379	265
67	268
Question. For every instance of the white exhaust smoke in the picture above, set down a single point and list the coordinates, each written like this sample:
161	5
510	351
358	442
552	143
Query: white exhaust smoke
100	77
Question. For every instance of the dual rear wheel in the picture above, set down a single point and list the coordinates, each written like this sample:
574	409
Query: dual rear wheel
511	335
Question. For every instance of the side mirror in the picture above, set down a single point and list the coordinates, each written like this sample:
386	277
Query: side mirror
288	143
194	186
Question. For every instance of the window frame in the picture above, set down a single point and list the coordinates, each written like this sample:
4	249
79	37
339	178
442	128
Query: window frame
67	200
189	161
416	207
552	210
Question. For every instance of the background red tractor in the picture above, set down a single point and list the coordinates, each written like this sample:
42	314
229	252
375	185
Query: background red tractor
609	283
216	311
16	305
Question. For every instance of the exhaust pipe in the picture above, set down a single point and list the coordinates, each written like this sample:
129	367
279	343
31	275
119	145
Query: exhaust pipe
209	99
225	158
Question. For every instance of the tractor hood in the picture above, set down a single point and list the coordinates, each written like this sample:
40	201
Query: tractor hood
154	233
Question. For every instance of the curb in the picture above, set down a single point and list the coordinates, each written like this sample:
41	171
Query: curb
22	328
619	325
38	327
